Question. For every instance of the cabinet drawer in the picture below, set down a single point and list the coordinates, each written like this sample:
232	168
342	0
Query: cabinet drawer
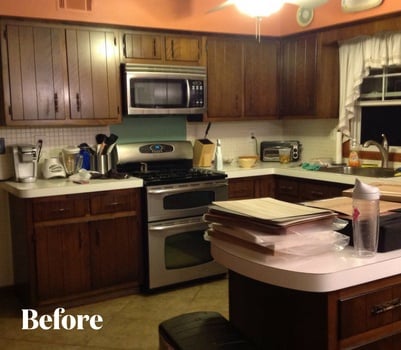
368	311
60	207
113	201
287	189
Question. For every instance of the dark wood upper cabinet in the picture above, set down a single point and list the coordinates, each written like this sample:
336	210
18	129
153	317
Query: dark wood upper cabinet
159	48
242	78
59	75
298	75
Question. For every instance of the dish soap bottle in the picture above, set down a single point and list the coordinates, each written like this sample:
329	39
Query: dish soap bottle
218	157
353	158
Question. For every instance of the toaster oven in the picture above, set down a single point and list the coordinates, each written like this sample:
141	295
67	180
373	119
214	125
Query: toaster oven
269	150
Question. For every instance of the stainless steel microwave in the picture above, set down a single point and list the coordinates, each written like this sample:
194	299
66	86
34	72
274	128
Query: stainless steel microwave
162	89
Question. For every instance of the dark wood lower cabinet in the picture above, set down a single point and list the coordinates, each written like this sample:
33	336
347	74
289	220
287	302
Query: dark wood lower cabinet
363	317
292	189
76	248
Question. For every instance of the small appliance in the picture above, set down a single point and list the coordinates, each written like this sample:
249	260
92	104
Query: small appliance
163	89
25	163
52	168
270	150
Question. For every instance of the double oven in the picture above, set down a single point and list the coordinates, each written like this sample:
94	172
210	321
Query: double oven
175	196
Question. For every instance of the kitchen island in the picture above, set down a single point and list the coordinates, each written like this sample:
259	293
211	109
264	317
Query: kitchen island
328	301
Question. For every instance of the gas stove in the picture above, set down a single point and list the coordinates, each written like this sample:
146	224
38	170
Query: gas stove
168	162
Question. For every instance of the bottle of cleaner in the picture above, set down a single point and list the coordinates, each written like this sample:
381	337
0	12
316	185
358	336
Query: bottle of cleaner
218	157
353	158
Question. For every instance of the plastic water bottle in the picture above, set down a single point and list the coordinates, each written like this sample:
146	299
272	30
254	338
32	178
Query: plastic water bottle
365	218
218	157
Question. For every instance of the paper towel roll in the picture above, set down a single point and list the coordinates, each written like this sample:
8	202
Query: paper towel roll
339	147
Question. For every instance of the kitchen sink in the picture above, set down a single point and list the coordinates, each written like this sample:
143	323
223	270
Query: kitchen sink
369	172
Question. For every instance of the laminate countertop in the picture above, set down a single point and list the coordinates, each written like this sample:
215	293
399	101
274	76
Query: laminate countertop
330	271
56	187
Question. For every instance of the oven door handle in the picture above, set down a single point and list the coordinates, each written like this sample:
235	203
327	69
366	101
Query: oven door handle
195	187
170	227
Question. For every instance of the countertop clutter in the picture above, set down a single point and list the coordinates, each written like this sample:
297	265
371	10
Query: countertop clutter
53	187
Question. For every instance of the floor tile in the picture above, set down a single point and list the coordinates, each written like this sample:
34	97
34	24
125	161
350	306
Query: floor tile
130	322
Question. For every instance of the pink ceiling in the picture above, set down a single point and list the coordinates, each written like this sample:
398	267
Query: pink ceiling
189	15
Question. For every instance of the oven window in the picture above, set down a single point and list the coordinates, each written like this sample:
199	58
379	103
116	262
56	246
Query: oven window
186	250
188	200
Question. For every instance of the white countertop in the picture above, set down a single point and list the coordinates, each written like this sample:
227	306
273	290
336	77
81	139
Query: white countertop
56	187
320	273
295	170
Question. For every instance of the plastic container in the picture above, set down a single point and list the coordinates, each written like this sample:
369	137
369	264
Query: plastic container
365	219
353	158
218	157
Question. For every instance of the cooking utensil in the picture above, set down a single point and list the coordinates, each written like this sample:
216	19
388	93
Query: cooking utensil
39	145
207	129
110	143
101	142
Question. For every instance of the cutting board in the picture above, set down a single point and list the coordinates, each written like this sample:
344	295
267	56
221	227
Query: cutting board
343	205
388	192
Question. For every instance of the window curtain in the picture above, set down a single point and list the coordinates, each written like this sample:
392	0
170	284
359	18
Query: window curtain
357	56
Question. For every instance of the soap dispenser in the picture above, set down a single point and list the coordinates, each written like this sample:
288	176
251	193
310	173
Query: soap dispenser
353	158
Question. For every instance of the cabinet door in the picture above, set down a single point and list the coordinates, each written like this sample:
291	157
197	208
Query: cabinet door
62	260
225	78
185	49
260	78
242	188
287	189
298	75
142	47
115	251
36	87
93	74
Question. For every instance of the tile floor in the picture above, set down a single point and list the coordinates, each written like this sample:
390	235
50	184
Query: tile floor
130	322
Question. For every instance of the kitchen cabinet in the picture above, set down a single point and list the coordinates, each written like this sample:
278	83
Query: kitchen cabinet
242	78
298	72
363	317
294	190
56	74
158	48
309	76
72	249
250	187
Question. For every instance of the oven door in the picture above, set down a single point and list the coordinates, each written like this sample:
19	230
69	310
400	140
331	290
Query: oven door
177	252
184	199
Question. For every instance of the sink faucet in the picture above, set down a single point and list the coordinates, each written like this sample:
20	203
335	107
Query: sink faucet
383	148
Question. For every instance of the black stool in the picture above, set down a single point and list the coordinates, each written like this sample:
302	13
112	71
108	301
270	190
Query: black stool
200	331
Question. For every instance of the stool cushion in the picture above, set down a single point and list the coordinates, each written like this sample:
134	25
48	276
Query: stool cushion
202	331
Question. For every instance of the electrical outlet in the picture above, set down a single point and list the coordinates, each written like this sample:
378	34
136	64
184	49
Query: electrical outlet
36	138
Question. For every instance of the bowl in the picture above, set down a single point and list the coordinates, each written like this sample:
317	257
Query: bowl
247	161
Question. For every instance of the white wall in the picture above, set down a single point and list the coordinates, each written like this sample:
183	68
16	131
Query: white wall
317	136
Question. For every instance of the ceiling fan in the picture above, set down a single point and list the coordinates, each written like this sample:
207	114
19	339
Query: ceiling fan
264	8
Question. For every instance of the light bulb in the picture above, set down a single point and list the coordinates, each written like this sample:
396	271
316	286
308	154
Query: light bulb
258	8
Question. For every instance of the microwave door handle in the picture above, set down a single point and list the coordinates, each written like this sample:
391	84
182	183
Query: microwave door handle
188	92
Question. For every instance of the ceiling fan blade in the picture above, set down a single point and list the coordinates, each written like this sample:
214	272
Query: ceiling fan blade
221	6
307	3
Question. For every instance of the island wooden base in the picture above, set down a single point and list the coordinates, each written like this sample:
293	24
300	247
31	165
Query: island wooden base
364	317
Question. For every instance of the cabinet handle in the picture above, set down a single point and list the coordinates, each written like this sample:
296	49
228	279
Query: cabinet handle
317	193
80	240
114	204
97	237
78	97
387	306
154	48
172	48
56	102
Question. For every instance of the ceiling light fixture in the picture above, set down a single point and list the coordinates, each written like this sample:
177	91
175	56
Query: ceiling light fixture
258	9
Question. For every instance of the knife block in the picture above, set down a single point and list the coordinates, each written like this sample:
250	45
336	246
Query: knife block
203	153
